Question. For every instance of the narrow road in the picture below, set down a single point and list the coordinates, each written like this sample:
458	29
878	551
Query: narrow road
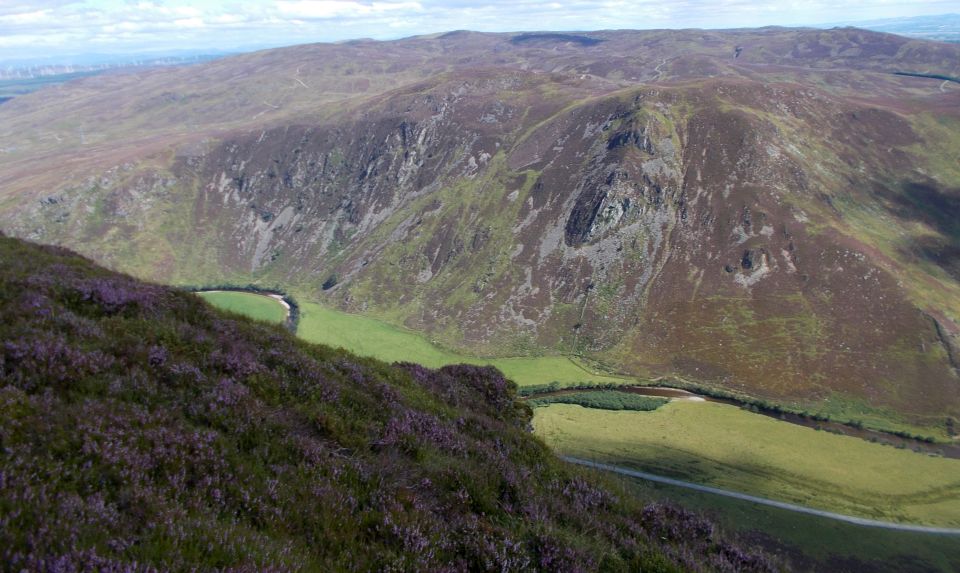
763	501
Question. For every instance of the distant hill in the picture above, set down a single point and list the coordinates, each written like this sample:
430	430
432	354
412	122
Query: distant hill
772	212
54	66
942	28
23	78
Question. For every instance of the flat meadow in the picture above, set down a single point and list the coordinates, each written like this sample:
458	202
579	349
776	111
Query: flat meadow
371	337
731	448
256	306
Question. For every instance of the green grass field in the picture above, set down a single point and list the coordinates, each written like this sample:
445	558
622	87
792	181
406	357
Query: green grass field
811	543
257	306
370	337
727	447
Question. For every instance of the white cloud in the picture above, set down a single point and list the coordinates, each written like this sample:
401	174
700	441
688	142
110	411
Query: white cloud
189	23
138	25
36	17
322	9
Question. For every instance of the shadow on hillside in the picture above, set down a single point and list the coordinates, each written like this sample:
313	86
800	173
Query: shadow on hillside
928	203
944	254
937	207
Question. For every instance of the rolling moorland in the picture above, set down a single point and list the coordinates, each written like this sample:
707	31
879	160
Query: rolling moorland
18	80
143	429
768	211
771	213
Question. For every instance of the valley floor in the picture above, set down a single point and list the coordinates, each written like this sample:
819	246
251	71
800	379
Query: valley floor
705	443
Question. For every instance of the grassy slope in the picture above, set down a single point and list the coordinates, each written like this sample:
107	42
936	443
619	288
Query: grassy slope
727	447
140	425
812	543
370	337
895	230
256	306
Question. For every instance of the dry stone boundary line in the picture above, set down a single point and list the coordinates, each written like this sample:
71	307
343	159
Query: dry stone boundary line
764	501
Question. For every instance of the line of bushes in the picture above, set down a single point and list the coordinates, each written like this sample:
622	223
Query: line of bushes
535	389
602	400
759	406
293	319
931	76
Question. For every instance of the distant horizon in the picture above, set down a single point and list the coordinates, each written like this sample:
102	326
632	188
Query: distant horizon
109	59
47	30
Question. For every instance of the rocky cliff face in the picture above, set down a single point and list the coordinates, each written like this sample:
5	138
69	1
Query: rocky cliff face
723	216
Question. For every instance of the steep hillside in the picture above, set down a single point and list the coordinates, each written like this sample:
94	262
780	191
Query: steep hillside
773	211
142	429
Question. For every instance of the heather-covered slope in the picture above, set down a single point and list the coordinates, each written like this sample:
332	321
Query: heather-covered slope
771	211
140	428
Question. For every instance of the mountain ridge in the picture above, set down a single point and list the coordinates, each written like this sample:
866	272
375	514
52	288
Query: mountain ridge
764	210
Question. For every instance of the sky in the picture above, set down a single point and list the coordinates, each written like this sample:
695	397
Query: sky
61	29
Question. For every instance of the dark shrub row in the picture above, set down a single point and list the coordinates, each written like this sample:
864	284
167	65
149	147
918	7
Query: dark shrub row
602	400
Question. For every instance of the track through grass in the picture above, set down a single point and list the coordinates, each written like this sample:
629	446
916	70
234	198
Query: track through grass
811	543
727	447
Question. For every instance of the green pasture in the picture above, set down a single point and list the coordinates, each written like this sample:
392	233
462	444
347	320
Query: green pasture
257	306
727	447
370	337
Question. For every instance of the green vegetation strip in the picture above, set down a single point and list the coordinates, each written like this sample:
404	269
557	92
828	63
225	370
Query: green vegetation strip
930	76
727	447
602	400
